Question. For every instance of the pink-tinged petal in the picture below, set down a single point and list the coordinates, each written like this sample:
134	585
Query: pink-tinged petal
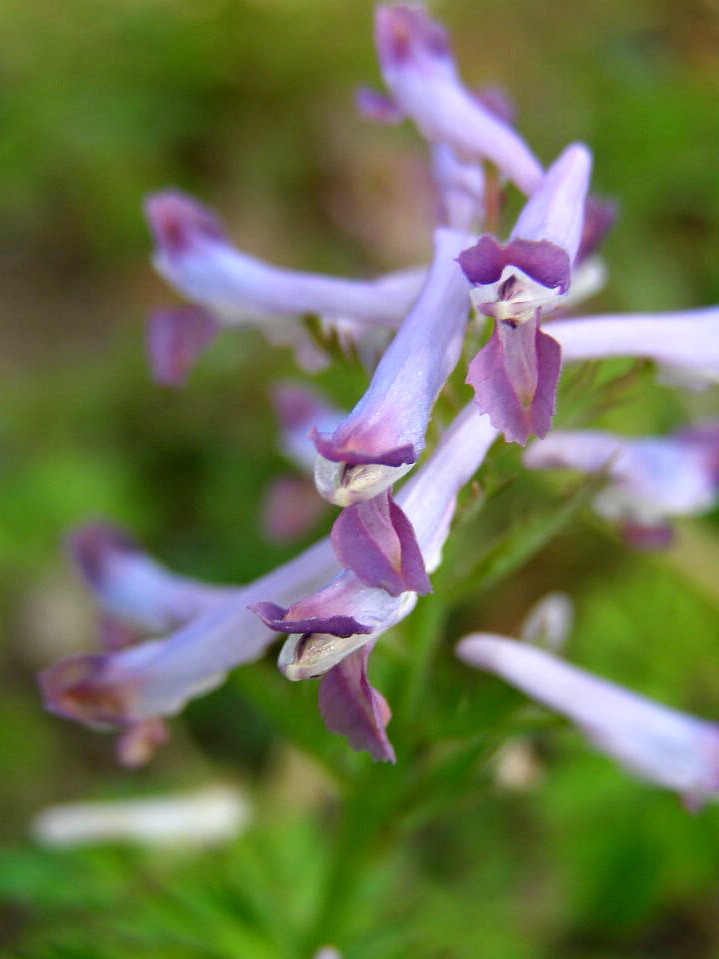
377	107
194	255
175	339
518	417
388	425
376	541
686	340
658	744
136	746
419	71
133	587
158	678
351	707
498	102
599	217
649	538
290	509
300	410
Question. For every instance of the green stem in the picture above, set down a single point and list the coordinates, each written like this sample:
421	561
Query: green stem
427	630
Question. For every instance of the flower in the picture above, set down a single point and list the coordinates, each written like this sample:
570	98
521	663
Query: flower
418	68
651	478
515	375
384	434
658	744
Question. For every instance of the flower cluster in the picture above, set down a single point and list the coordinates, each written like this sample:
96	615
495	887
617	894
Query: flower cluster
336	598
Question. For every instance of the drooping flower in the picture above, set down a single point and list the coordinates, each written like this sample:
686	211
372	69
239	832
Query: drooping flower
515	375
384	434
656	743
651	478
419	70
194	255
343	620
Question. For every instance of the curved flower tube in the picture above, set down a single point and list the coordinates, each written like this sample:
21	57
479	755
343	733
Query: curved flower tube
687	340
419	70
384	434
193	254
656	743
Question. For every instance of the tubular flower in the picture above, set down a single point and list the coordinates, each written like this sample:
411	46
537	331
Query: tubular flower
384	434
419	70
515	375
658	744
334	629
650	478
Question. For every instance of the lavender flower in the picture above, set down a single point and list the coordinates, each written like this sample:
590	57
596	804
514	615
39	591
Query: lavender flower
515	375
651	478
384	434
656	743
419	71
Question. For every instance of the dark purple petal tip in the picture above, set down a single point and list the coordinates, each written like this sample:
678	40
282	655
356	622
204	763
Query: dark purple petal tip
176	220
339	453
351	707
175	339
403	33
93	546
74	688
543	261
274	617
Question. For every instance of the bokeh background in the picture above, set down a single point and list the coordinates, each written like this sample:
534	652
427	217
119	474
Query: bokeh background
249	105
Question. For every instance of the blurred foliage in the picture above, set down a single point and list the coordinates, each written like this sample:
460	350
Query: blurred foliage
249	104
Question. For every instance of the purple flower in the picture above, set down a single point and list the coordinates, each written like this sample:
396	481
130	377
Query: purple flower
157	677
193	254
345	618
420	73
384	434
651	478
515	375
658	744
686	341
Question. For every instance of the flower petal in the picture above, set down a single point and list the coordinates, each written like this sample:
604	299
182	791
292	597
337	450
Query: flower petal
518	417
351	707
376	541
659	744
175	339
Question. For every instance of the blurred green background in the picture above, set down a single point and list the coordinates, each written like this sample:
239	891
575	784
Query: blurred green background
249	105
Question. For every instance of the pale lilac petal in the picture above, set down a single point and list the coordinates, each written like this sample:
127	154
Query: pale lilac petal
652	478
686	340
351	707
555	211
387	427
658	744
419	71
460	188
194	255
290	509
377	107
133	587
518	417
376	541
299	410
158	678
175	339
